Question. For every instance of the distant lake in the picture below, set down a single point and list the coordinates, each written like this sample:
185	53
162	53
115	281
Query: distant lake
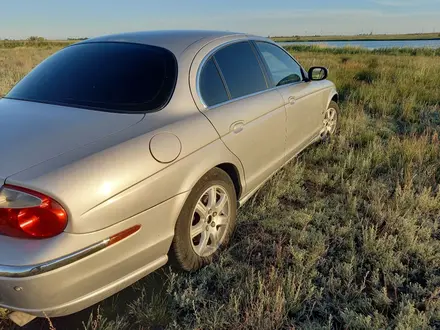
371	44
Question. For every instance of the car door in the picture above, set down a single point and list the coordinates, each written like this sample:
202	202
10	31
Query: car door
249	118
302	101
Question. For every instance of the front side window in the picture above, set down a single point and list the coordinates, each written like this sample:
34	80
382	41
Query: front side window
241	69
104	76
212	89
282	68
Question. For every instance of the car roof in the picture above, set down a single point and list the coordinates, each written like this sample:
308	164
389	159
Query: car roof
174	40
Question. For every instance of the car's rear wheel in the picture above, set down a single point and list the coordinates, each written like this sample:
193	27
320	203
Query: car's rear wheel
206	221
331	121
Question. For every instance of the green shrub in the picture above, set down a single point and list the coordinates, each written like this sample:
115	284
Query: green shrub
368	76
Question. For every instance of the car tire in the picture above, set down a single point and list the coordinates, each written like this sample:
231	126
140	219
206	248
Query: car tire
331	121
190	249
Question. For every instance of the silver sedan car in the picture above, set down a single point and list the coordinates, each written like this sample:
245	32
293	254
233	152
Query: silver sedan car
124	151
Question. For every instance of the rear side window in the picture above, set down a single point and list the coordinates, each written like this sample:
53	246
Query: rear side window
241	69
105	76
212	89
283	69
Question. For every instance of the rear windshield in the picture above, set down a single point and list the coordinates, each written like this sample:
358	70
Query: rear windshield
104	76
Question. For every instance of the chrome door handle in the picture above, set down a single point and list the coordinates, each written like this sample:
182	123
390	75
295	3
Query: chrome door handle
292	99
237	127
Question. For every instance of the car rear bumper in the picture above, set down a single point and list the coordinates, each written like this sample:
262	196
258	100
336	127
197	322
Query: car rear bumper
76	281
77	304
33	270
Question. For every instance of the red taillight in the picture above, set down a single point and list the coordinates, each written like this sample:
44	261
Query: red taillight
26	213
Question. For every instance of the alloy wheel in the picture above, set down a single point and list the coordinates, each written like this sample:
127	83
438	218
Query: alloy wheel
210	221
330	122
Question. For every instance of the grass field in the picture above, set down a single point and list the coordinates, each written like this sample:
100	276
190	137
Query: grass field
41	42
375	37
345	237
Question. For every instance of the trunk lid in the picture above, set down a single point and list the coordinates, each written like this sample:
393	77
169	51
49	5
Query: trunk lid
31	133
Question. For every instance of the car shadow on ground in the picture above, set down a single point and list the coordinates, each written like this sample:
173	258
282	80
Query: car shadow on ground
112	306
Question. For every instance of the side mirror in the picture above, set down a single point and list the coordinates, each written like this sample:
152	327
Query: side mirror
317	73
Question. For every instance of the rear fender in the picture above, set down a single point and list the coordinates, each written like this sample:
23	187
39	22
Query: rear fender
176	179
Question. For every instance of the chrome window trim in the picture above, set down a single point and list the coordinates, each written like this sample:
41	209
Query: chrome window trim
222	77
250	95
33	270
217	48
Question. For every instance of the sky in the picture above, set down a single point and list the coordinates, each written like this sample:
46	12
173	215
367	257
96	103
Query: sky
58	19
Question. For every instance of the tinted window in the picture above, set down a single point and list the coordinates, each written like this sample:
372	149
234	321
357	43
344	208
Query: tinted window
240	69
212	89
109	76
283	69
